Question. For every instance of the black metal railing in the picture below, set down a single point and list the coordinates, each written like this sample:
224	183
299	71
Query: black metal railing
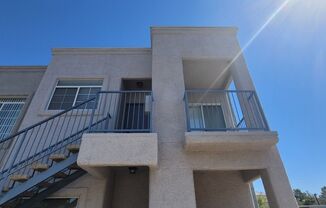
224	110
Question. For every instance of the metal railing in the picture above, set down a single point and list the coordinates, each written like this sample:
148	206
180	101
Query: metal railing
111	111
224	110
123	111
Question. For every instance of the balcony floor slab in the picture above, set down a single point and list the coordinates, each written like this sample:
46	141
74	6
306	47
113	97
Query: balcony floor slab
229	141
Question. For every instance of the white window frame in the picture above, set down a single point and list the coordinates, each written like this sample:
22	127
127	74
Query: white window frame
208	104
70	86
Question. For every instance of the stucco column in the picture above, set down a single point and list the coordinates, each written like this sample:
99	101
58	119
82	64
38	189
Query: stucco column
171	188
240	75
276	183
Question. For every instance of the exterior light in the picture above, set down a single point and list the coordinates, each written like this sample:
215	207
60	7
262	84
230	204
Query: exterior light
133	170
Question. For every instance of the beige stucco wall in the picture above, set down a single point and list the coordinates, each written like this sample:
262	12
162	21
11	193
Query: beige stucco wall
220	189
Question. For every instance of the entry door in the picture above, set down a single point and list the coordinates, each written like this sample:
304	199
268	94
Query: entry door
135	116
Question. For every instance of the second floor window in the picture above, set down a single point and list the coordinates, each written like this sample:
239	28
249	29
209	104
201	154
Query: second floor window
69	93
10	109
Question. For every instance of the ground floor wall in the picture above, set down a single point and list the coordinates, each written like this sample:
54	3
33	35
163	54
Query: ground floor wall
188	180
220	189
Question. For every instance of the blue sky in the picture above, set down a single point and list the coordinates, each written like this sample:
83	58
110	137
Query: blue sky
287	60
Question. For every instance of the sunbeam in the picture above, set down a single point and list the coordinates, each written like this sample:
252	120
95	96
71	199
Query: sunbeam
252	39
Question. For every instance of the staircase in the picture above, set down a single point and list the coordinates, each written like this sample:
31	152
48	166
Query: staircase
42	158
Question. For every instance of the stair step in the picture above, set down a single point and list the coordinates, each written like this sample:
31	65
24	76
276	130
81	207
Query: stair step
5	189
40	167
57	157
73	148
74	167
60	175
19	177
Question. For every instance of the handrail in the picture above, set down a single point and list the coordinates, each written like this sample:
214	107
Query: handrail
45	120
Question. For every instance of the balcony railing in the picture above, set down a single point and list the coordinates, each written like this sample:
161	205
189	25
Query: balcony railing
224	110
122	111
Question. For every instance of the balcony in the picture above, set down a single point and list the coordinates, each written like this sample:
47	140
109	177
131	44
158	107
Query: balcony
122	134
220	120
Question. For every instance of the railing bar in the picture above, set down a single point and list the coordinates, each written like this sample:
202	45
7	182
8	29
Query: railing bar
107	123
133	112
139	108
41	122
127	122
116	125
124	109
99	108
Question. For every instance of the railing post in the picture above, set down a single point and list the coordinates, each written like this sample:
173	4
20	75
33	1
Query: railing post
187	110
93	111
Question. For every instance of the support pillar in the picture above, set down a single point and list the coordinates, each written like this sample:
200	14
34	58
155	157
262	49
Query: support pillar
277	185
171	188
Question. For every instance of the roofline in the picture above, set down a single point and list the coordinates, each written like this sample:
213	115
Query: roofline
96	51
21	67
168	29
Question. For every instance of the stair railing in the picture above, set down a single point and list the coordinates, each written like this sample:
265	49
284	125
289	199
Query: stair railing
34	144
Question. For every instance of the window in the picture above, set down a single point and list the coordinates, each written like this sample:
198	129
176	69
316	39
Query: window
206	116
69	93
10	109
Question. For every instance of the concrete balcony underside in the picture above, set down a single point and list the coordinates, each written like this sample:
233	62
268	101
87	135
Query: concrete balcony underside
100	151
230	141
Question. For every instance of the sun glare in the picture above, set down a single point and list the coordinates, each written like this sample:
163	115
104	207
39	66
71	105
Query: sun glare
304	15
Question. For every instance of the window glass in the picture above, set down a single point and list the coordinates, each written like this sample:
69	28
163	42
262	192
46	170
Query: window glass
206	116
196	118
214	118
10	109
69	93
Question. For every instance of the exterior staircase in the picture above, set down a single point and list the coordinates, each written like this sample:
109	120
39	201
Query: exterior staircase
42	158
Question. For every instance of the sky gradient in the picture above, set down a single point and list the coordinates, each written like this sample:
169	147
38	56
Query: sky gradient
287	59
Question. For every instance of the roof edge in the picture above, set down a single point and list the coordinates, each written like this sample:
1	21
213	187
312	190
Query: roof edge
75	51
21	67
158	29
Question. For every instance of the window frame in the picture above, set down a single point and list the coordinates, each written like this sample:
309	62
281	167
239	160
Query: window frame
71	87
202	111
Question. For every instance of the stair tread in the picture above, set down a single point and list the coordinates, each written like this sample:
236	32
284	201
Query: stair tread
73	147
40	166
5	189
58	157
19	177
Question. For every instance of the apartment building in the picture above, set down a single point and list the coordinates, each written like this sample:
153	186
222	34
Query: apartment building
177	125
